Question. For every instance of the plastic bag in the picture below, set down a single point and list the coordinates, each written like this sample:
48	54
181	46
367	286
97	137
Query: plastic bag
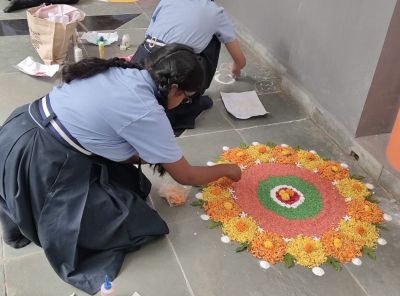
174	193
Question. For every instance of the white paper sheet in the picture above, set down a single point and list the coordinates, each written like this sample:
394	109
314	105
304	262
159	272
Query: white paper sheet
243	105
93	37
29	66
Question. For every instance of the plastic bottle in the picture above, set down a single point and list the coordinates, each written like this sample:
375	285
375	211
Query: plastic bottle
78	55
107	288
101	47
125	42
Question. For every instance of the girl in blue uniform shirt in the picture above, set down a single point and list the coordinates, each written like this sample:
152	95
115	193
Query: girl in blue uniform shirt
67	182
202	25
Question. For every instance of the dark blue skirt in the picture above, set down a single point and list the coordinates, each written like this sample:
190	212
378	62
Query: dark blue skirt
85	212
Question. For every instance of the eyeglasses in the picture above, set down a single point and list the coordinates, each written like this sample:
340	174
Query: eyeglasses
187	99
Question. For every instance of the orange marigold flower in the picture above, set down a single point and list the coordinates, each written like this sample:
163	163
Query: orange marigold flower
268	246
365	211
223	182
331	170
221	210
340	246
238	156
286	155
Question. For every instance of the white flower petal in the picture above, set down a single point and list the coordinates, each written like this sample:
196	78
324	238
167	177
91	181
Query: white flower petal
210	163
225	148
387	217
255	143
225	239
284	145
382	241
318	271
199	195
313	152
369	186
344	165
356	261
204	217
264	264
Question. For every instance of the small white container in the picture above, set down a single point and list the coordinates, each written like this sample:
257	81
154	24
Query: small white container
78	55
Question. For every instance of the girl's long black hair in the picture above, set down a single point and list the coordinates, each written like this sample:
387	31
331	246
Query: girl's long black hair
171	64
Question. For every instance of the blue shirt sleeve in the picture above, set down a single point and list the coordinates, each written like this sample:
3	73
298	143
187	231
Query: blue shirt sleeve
225	30
153	138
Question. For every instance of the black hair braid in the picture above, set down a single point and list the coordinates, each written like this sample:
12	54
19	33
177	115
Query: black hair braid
174	64
91	66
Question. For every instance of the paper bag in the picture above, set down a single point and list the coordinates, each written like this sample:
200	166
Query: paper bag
51	29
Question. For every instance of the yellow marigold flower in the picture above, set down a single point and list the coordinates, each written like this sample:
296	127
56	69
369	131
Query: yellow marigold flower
238	156
365	211
240	229
332	170
221	209
340	246
260	152
268	246
308	160
215	192
306	251
352	188
362	233
286	155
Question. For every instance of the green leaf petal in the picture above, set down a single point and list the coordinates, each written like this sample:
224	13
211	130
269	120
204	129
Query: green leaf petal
381	226
334	263
357	177
242	247
371	199
289	260
369	252
244	146
198	203
270	144
297	148
214	224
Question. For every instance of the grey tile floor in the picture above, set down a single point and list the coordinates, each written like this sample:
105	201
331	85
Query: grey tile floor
191	260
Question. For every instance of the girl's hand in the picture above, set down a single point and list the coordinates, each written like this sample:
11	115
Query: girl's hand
233	172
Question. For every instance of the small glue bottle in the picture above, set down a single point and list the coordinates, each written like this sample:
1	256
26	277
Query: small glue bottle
101	47
107	288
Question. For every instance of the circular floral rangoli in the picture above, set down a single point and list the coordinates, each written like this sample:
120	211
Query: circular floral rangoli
292	206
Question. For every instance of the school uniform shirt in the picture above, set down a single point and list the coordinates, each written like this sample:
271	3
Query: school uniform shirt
115	114
190	22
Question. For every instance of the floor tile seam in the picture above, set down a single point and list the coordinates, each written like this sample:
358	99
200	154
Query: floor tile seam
188	285
244	128
11	259
357	281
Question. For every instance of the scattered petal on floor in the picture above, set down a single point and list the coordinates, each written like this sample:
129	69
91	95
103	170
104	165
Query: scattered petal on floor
204	217
318	271
264	264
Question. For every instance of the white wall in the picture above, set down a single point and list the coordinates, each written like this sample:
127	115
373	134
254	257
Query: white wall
331	48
